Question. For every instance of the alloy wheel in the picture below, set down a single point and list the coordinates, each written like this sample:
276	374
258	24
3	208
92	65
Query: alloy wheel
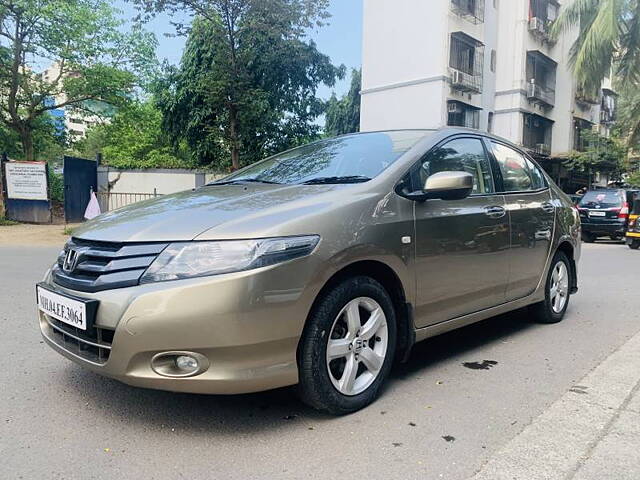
559	291
357	346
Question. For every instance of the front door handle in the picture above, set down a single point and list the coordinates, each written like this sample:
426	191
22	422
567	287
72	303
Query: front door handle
548	207
495	211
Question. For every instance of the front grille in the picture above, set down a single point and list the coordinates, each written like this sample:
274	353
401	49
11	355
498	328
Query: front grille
105	265
93	345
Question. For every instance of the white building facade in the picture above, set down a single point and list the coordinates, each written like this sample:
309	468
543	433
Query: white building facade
75	120
489	65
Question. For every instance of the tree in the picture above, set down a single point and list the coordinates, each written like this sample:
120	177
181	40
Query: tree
133	139
608	37
602	154
634	180
48	143
343	116
95	60
247	83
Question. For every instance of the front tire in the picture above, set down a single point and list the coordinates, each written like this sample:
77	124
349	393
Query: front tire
557	291
347	347
634	244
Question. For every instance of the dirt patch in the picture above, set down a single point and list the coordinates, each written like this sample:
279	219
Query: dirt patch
35	235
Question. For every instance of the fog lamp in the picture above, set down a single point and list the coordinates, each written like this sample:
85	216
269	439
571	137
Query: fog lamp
186	363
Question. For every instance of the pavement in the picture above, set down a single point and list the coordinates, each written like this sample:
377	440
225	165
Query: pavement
504	398
35	235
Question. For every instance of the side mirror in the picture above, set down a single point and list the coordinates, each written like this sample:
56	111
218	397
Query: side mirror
449	185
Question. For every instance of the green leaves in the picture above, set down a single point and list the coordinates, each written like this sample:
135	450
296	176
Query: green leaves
608	38
602	154
133	139
343	116
92	59
247	83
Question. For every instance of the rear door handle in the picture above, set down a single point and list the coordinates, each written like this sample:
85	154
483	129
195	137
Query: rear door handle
548	207
495	211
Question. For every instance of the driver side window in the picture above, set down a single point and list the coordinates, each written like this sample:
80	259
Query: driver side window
460	155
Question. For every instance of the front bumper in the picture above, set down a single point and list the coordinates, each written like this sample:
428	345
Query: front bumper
246	324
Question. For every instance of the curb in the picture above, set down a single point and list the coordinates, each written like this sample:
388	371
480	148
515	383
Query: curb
558	442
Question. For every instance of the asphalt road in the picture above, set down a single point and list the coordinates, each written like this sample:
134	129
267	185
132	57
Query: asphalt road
437	419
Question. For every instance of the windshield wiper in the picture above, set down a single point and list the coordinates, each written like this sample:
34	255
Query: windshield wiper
243	180
336	180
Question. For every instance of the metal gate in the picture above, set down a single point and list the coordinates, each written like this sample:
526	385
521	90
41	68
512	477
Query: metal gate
80	178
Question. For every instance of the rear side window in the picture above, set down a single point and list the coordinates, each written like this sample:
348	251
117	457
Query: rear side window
601	199
537	176
460	155
518	173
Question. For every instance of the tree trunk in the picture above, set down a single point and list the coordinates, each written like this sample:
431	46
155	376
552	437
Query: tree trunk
233	132
26	137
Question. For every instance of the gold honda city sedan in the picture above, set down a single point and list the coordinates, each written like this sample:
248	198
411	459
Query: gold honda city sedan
318	267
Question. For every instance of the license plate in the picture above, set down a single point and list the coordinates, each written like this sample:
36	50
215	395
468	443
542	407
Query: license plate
597	214
61	307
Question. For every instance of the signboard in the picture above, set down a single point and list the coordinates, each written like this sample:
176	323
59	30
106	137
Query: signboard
26	180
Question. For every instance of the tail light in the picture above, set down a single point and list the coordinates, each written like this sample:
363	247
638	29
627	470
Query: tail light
624	211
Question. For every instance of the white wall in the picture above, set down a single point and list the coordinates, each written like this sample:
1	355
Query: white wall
145	181
404	64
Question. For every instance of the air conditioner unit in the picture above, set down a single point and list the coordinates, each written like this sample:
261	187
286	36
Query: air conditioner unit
457	77
533	91
537	26
454	107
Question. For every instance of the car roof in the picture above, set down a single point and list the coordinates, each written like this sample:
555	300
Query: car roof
448	132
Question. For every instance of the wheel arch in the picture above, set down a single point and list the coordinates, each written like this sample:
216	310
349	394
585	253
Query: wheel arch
389	279
568	249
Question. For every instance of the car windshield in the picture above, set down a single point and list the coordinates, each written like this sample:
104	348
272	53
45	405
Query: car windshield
348	159
601	199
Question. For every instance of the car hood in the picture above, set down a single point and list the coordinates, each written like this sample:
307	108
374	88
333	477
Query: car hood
224	211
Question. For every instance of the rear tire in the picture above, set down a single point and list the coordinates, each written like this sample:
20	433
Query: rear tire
557	291
588	237
347	347
634	245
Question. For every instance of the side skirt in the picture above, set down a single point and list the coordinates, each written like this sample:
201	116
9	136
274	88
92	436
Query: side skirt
448	325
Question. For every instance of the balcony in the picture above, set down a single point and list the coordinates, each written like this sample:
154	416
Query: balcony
580	136
460	114
537	134
608	108
541	79
471	10
541	94
466	62
542	14
586	99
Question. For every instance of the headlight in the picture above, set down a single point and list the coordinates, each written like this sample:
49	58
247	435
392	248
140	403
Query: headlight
199	259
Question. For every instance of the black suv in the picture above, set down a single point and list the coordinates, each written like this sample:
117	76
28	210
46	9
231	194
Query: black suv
605	213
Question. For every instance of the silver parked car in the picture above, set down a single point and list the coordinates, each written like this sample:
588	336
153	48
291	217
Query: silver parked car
319	267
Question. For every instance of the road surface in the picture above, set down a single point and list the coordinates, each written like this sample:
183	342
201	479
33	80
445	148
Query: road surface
458	401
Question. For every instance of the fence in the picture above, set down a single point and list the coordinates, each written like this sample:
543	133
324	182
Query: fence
112	200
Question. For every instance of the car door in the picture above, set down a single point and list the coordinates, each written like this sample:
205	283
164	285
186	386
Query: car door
532	218
461	245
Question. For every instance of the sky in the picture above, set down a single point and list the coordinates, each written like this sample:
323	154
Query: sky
341	39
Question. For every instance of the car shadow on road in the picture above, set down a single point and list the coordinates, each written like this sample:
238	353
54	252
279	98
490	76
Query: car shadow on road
429	353
273	410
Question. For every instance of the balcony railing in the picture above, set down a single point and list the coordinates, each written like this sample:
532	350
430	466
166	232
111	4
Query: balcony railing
465	82
586	98
541	94
471	10
466	63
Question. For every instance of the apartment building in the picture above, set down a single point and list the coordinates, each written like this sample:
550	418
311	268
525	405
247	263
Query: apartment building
483	64
75	120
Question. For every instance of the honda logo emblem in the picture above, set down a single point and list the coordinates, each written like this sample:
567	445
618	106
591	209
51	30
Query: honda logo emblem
70	260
